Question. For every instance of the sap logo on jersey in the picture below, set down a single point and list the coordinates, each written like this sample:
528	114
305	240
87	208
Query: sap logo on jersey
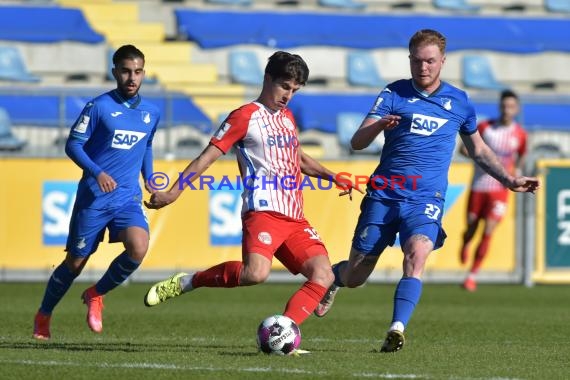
126	139
225	217
58	198
426	125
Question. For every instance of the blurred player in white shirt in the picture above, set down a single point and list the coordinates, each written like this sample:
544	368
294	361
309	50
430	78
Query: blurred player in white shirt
488	198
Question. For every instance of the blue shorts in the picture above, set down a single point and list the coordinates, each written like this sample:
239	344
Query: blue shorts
87	226
381	220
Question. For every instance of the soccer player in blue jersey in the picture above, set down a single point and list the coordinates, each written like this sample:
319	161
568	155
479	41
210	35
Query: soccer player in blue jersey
111	141
420	118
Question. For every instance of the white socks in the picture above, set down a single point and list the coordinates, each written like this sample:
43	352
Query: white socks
397	326
186	283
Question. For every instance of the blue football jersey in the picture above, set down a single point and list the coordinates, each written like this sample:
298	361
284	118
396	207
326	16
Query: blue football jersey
116	134
417	153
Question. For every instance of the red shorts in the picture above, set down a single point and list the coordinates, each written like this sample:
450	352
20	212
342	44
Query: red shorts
291	241
488	205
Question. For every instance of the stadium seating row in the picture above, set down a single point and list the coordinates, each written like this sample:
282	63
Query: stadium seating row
461	6
320	111
323	133
214	81
59	108
44	24
345	69
54	107
169	63
360	31
120	23
171	70
43	116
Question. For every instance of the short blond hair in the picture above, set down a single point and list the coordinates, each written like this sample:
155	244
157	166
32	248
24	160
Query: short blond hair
425	37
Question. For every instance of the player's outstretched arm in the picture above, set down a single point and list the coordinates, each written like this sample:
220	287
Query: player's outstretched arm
192	172
480	152
313	168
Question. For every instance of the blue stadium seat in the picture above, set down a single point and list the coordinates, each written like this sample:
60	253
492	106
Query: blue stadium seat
347	124
455	5
7	140
362	70
244	68
43	24
348	4
478	73
12	66
562	6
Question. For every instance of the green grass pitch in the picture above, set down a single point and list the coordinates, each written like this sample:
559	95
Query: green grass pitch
499	332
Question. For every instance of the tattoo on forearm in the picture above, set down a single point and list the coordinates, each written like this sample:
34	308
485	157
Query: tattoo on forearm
489	163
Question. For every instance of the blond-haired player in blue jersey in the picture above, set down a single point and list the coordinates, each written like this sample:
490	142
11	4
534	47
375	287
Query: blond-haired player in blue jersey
420	118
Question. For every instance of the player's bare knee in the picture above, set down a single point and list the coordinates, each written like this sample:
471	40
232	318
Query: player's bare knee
358	270
253	276
253	279
322	276
329	278
137	249
75	264
75	270
414	263
137	255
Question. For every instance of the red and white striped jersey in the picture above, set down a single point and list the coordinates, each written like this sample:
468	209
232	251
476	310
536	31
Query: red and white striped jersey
508	143
267	147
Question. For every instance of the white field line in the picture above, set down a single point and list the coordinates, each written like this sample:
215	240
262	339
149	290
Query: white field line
175	367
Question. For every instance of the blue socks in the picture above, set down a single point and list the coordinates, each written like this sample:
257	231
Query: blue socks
61	279
406	297
58	284
119	270
335	270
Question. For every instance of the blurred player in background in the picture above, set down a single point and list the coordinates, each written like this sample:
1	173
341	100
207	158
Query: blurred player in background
488	197
111	142
264	135
420	118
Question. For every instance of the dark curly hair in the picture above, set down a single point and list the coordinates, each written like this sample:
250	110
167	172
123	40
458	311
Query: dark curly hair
287	66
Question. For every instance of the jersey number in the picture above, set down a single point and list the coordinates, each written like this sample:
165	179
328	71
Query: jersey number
432	211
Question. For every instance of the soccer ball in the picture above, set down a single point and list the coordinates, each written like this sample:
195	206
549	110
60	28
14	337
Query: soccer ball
278	335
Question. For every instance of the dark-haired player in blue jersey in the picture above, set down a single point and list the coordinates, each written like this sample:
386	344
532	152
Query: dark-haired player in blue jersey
112	142
420	118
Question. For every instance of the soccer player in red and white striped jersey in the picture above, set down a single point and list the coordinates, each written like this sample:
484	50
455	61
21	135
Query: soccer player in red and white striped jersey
267	148
488	198
271	162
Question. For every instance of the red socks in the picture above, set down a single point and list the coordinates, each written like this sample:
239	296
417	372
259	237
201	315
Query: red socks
481	253
224	275
305	300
